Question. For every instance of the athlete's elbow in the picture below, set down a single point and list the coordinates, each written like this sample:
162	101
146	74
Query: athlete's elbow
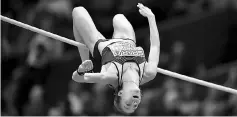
104	78
151	74
151	71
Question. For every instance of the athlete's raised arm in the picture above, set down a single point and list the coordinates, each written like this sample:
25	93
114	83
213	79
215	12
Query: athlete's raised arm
153	58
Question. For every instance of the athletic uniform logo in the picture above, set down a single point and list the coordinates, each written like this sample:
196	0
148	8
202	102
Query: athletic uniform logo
126	49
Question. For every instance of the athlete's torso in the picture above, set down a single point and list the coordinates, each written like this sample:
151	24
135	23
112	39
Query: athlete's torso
117	52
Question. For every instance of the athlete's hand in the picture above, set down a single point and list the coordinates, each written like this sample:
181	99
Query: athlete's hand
145	11
85	66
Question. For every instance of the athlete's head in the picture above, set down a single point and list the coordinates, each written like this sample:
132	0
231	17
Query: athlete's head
128	95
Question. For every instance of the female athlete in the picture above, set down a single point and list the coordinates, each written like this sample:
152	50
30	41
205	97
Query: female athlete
122	65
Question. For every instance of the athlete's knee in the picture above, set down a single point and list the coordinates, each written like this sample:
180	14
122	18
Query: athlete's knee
121	23
78	11
118	18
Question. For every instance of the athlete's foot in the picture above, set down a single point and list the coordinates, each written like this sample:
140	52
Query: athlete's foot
85	66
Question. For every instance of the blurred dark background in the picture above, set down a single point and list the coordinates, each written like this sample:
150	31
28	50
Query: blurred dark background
198	39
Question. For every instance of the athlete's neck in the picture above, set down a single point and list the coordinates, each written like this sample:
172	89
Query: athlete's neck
131	85
130	77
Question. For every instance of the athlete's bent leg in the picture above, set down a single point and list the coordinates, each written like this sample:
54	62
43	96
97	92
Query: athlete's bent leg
85	27
123	28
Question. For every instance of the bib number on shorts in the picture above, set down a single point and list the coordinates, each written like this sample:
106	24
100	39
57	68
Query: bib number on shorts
126	49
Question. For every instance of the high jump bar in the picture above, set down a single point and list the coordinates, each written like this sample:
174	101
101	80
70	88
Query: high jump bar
162	71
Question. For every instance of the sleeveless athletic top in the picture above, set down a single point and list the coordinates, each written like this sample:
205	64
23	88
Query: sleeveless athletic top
122	52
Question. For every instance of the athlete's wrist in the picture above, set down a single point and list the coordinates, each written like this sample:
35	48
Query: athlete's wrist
80	73
151	18
83	73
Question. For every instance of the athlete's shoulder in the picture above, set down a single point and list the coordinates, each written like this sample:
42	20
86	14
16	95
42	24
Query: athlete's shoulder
110	72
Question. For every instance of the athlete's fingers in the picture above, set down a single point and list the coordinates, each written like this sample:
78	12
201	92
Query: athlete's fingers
139	5
140	11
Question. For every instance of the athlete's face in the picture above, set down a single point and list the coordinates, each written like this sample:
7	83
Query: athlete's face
130	99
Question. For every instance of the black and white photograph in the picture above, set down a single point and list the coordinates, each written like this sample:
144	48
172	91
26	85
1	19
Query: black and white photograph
118	57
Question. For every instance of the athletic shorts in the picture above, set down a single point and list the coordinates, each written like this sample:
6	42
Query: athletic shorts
96	58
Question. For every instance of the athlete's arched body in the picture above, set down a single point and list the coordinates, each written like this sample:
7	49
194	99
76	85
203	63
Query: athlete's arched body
124	66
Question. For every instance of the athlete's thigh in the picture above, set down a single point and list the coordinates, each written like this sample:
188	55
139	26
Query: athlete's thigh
85	27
